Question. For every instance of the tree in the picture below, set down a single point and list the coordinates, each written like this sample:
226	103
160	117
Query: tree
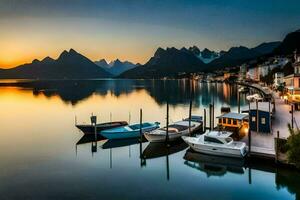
294	146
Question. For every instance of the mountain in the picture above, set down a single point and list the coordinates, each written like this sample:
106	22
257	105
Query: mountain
115	67
290	43
166	63
69	65
238	55
102	63
206	55
118	67
266	47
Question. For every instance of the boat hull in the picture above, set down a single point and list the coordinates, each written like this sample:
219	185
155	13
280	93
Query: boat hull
217	150
152	137
90	129
126	135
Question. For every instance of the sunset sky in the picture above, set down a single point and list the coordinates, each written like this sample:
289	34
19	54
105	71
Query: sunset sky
133	29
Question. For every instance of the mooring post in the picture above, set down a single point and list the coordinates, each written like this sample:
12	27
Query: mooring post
239	102
190	117
276	147
292	114
204	124
210	110
249	130
141	122
167	125
270	120
94	123
213	115
257	117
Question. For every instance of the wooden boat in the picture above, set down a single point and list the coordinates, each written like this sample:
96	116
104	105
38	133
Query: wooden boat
217	143
175	130
88	129
130	131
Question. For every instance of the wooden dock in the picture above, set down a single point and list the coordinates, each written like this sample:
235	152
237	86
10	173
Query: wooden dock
262	152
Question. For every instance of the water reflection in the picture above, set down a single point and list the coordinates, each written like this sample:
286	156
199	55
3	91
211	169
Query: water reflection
156	150
39	120
214	165
175	91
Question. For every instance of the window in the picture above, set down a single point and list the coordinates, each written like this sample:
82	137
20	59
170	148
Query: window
253	119
234	122
224	120
229	121
220	121
214	140
263	120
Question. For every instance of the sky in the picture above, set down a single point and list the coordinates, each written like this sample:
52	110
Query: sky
133	29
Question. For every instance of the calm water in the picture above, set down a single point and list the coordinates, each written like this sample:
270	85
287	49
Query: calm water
43	156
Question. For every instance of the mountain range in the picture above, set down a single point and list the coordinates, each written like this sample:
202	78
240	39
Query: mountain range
69	65
169	62
172	61
115	67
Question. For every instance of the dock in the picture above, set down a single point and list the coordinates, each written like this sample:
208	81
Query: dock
262	152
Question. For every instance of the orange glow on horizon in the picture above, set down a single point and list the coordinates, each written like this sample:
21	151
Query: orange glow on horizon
12	57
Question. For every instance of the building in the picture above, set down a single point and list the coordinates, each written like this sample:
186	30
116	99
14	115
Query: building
243	72
263	112
278	79
236	122
292	83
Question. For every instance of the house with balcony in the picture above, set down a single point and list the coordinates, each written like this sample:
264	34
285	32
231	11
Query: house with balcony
292	84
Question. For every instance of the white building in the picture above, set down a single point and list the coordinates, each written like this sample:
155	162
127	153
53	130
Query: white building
278	79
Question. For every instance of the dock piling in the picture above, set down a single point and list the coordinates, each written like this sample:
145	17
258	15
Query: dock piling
204	123
257	117
141	122
276	147
239	102
190	117
167	125
94	123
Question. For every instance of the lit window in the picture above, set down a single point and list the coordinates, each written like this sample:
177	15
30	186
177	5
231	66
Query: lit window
263	120
224	121
234	122
253	119
229	121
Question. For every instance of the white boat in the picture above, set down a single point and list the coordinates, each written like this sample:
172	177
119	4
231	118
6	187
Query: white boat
175	130
254	97
217	143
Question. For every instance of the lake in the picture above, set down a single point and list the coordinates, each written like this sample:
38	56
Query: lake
44	156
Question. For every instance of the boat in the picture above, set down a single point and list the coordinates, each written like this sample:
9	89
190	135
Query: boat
217	143
129	131
89	129
244	90
254	97
175	130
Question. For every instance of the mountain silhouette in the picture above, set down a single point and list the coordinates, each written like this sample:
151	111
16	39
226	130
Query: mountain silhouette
238	55
115	67
69	65
166	62
290	43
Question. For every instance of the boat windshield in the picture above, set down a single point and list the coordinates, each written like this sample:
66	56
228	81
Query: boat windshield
229	139
212	139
